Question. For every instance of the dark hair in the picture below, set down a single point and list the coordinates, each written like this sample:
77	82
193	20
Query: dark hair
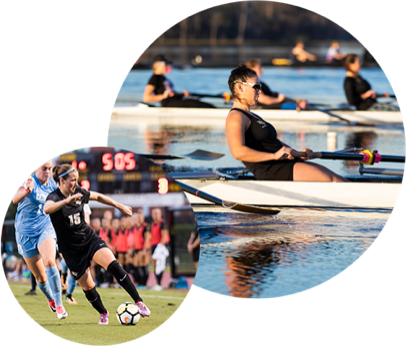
61	169
349	59
241	73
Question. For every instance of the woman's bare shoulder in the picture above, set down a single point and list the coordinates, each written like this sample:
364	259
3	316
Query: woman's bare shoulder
236	115
237	118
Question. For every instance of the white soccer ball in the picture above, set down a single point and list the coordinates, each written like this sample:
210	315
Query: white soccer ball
128	314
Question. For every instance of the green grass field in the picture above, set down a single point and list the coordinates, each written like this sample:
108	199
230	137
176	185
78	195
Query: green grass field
81	325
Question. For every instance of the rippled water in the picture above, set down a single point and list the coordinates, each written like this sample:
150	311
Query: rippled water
262	256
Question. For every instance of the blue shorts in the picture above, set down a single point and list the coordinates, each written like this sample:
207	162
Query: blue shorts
28	246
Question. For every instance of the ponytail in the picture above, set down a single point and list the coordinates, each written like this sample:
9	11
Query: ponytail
61	171
349	59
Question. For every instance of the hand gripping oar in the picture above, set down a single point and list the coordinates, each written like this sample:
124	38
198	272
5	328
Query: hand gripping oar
196	155
366	157
227	204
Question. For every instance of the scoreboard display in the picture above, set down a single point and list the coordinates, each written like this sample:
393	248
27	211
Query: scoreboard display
112	171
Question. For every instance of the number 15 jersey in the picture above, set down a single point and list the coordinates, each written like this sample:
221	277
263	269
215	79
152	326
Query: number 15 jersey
69	222
30	218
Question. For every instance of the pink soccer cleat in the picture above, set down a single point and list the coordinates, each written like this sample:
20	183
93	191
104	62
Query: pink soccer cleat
104	318
144	311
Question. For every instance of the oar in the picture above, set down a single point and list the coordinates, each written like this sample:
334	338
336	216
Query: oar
365	157
227	204
196	155
226	96
349	122
383	95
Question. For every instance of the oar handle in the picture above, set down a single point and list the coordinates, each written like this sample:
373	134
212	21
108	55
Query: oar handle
199	193
383	95
366	157
331	156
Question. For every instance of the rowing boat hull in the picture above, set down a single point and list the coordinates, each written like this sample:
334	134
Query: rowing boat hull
181	116
298	194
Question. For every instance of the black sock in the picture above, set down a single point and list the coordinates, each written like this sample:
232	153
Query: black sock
146	275
136	274
94	298
123	279
33	283
64	275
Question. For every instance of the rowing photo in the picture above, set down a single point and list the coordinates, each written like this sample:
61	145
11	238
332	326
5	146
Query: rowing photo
91	230
292	163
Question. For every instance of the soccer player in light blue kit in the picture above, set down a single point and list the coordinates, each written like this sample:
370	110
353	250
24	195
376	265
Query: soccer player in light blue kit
35	235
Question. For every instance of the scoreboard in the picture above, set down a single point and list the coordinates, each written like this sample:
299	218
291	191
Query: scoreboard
112	171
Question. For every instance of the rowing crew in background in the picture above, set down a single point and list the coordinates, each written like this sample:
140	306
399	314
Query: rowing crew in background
300	55
334	54
160	89
358	91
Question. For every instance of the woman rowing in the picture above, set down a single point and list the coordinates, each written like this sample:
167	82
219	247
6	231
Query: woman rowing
160	89
254	141
358	91
79	244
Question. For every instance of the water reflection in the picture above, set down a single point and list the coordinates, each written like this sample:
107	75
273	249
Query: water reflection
159	139
247	256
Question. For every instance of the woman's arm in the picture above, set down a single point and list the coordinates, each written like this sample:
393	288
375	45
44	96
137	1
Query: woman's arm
51	207
308	151
147	241
164	236
21	193
150	97
24	191
192	244
96	196
236	125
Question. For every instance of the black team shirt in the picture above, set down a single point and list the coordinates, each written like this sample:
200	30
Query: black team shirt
353	88
69	222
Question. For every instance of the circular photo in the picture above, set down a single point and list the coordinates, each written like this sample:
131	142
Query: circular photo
288	137
99	245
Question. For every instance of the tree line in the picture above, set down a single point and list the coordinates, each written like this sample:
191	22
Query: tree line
236	23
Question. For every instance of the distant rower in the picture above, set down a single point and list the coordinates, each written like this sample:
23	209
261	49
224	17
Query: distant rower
358	91
160	89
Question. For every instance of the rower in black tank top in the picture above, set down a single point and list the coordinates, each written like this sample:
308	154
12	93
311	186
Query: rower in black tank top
262	136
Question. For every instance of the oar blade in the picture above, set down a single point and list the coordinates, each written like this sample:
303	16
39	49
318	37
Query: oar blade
203	155
247	208
196	155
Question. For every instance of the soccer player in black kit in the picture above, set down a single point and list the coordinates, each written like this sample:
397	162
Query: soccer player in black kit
79	244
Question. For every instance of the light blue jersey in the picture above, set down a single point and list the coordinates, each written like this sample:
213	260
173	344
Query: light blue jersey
31	219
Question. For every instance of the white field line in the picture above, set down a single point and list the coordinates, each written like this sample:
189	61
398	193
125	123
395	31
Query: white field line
148	295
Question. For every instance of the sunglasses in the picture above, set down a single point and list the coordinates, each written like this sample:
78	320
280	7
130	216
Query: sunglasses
255	86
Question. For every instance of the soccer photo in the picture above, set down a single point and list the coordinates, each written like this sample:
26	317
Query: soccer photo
99	245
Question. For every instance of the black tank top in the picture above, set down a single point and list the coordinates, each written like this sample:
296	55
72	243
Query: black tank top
262	136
